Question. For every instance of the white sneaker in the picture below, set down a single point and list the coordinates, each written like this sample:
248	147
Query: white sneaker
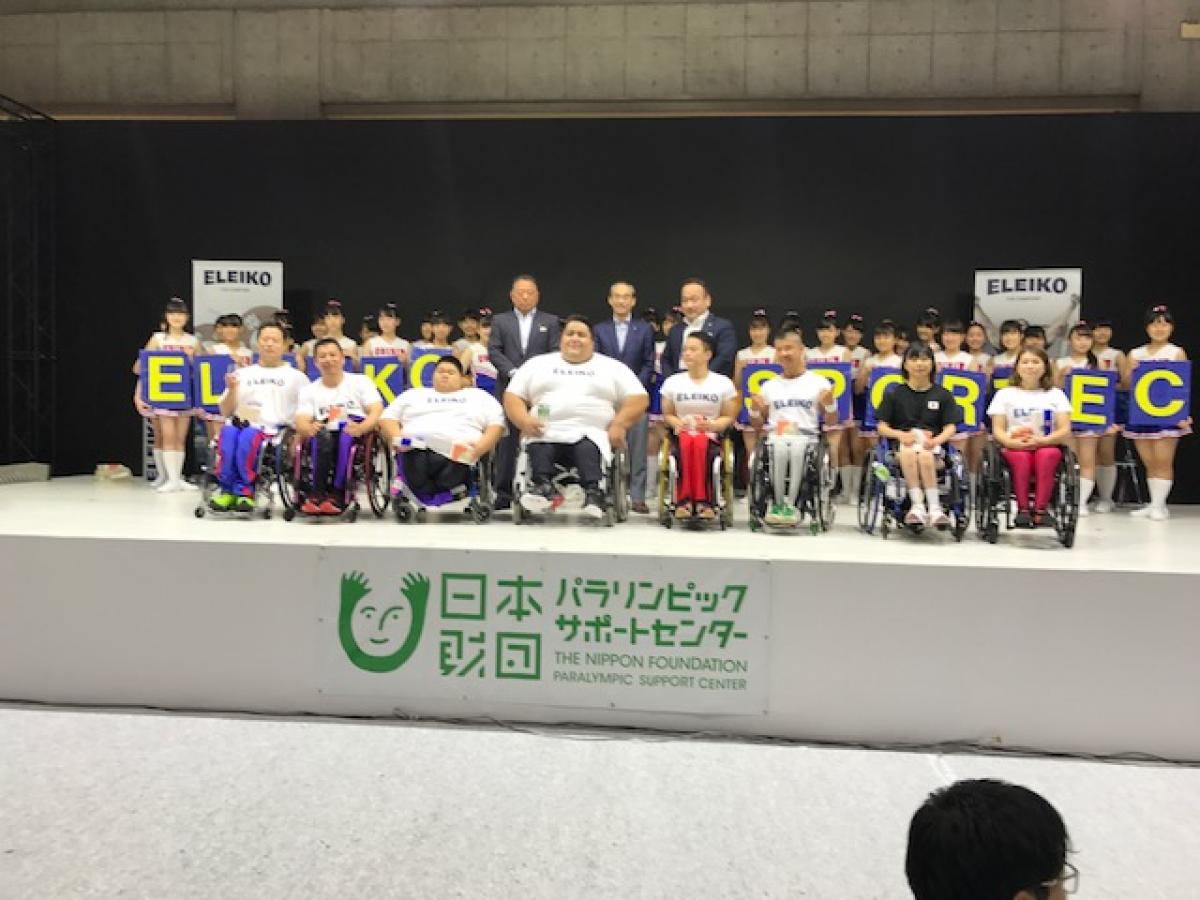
1158	514
1142	512
938	517
1084	512
186	486
1104	506
916	516
535	503
159	480
168	487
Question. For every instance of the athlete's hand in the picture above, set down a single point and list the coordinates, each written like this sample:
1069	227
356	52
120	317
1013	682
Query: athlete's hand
616	435
356	429
231	378
533	428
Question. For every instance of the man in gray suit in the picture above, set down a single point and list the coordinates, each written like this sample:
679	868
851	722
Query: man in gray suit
517	335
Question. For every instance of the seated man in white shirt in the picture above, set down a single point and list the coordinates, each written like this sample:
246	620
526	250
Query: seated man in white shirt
440	431
260	400
573	407
337	409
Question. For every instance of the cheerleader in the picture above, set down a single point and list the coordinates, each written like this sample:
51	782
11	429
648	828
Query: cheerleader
854	448
1034	338
760	351
425	332
981	361
440	328
884	357
335	322
929	327
903	341
1084	440
367	328
388	342
1156	444
476	361
1109	359
172	425
318	331
977	346
1012	333
228	331
468	324
828	350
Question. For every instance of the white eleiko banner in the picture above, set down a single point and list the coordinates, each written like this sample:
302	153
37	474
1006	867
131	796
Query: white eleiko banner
1046	297
669	635
253	290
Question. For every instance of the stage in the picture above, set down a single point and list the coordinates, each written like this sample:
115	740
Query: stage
117	596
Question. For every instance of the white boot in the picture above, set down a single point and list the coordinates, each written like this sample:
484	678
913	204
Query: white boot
847	473
855	485
1106	481
1085	491
160	469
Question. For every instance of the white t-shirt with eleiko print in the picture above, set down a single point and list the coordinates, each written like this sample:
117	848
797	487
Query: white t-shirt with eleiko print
1032	410
272	392
704	398
353	395
455	416
793	404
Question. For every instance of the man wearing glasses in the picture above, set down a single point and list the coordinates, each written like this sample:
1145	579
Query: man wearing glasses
988	840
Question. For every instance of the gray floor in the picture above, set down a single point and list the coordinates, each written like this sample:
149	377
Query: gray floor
104	804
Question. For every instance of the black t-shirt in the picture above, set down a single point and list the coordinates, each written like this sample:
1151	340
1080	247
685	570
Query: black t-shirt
931	410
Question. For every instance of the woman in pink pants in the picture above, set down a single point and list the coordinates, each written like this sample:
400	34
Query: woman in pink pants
1031	421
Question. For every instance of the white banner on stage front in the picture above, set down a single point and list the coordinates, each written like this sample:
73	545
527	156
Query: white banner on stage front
252	289
677	635
1046	297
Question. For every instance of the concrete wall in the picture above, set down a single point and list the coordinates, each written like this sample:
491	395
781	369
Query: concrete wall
285	59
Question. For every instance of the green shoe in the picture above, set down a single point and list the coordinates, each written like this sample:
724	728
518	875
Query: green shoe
245	504
222	501
774	515
881	472
789	515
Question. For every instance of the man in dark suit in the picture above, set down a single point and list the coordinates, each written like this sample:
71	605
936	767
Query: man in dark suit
695	302
631	341
517	335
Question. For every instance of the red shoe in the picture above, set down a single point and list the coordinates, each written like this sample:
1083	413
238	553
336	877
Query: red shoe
329	508
310	508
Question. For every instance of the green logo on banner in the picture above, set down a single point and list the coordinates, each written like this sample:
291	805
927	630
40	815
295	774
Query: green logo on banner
374	637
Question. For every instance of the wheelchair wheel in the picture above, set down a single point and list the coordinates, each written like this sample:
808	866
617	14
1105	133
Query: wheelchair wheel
665	488
618	484
989	489
291	468
485	492
759	487
727	464
870	496
1066	498
377	472
480	513
403	510
824	475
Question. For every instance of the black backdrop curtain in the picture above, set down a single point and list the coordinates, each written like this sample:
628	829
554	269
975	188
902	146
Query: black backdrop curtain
881	216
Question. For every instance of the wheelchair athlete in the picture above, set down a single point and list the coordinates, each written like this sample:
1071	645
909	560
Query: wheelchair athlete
920	416
332	413
794	406
260	401
439	433
1031	421
698	406
572	408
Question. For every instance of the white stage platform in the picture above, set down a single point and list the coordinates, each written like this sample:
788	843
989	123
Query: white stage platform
116	596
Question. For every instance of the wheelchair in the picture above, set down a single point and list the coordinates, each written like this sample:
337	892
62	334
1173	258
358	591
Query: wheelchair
883	494
720	486
994	498
268	465
370	468
614	484
815	499
408	505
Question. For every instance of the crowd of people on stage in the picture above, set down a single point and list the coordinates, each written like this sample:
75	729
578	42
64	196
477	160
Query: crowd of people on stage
569	390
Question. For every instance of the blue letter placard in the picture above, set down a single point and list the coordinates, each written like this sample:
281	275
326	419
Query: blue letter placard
423	364
209	380
754	376
166	379
970	393
387	374
1093	396
1001	377
1160	393
838	375
878	382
